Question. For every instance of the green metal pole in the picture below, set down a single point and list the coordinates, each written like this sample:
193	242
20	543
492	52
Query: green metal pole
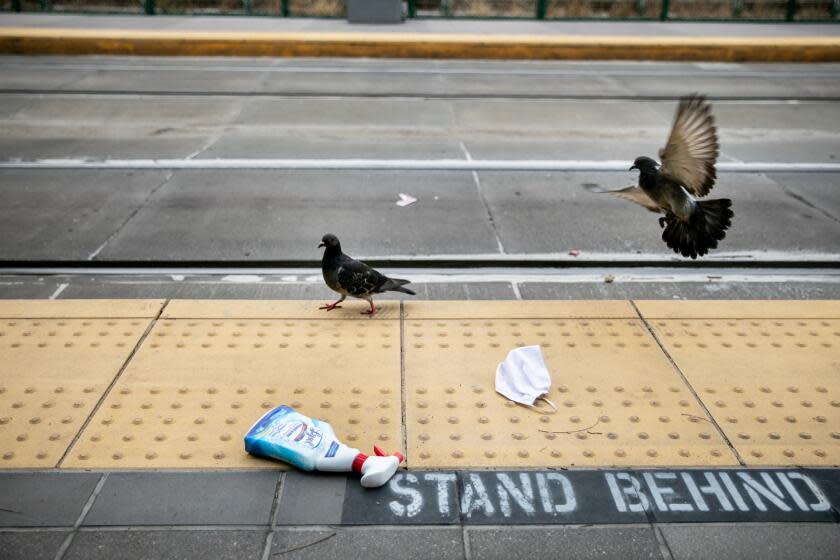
835	9
541	9
246	5
639	5
666	4
15	5
412	9
284	8
791	10
444	6
738	8
44	5
149	7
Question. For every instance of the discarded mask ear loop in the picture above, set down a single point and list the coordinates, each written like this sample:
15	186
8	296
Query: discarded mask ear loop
551	404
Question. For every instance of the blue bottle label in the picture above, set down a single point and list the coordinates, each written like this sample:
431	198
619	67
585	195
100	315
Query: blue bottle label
286	435
332	450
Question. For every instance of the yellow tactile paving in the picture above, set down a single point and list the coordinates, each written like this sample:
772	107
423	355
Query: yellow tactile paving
750	309
773	385
79	308
52	374
767	371
608	375
272	309
532	309
197	385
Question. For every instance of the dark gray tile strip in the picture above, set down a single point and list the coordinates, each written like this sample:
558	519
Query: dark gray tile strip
775	541
266	501
46	499
312	499
31	545
187	498
154	543
567	542
421	543
664	549
829	482
69	539
810	541
275	509
593	497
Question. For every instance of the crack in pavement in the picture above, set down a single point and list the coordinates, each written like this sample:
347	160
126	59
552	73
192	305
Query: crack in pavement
799	198
133	213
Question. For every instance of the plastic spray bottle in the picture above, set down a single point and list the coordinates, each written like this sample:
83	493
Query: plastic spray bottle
311	445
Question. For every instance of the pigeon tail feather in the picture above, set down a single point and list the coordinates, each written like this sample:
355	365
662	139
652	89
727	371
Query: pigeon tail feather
702	232
396	285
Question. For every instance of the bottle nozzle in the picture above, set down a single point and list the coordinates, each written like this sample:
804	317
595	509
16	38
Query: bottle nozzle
379	453
377	469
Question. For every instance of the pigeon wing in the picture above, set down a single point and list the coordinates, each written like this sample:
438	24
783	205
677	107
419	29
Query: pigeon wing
358	278
631	193
691	152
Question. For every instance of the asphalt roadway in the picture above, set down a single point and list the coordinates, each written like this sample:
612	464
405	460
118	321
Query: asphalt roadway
783	243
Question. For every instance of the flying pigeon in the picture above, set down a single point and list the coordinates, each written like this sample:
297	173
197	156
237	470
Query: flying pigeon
692	226
350	277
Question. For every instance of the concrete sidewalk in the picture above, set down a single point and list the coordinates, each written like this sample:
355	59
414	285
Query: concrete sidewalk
256	36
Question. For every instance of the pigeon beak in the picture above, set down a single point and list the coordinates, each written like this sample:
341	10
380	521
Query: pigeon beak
632	168
322	245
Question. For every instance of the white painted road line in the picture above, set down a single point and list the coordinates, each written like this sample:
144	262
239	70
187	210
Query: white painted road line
658	259
543	68
227	276
399	165
57	292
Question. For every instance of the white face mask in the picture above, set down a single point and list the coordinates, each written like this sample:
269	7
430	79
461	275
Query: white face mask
523	377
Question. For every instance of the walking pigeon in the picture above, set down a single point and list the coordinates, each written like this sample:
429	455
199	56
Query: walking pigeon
692	227
350	277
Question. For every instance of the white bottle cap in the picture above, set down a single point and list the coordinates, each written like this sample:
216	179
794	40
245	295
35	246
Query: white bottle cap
377	470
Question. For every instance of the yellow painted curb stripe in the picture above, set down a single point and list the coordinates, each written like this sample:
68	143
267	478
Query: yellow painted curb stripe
727	309
416	45
79	308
